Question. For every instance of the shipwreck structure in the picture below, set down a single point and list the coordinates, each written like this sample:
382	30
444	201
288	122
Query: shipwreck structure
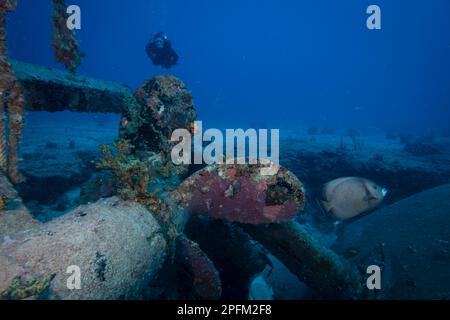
121	243
11	90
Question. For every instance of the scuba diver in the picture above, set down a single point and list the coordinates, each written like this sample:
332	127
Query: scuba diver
160	51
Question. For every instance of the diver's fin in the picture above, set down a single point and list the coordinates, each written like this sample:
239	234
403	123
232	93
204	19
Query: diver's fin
369	196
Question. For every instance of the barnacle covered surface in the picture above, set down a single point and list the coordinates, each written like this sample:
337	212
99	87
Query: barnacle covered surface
140	159
161	105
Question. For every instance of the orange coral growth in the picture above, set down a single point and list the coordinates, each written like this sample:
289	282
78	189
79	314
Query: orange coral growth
64	42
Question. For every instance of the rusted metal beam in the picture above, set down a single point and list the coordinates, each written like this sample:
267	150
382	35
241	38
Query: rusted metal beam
52	90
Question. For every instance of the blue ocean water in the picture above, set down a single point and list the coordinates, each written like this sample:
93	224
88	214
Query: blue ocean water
270	63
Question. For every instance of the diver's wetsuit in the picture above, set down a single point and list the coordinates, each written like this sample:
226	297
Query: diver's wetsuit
165	56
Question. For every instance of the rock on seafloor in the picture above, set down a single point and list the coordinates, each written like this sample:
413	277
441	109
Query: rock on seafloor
409	241
118	247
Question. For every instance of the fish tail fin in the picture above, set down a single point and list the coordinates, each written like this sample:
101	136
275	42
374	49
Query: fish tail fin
326	205
369	197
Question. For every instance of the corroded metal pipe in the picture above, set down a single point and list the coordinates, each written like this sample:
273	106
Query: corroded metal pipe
117	246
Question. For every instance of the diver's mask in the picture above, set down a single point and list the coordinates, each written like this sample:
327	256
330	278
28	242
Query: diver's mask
159	43
160	40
